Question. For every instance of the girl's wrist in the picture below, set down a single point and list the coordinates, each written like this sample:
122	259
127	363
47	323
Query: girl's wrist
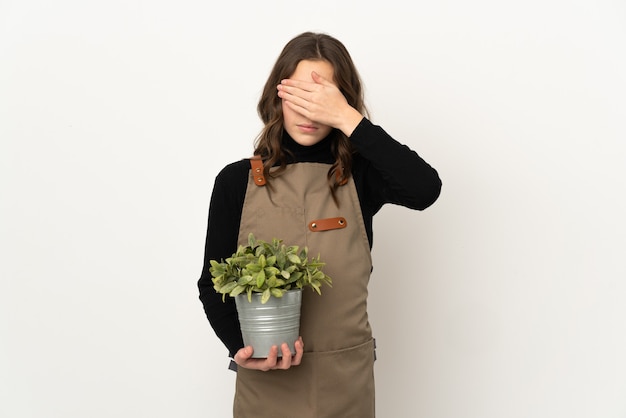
350	121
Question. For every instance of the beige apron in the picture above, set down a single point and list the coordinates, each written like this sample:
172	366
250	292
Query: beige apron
335	378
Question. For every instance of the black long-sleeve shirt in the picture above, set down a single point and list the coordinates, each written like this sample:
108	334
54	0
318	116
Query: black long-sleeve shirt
384	171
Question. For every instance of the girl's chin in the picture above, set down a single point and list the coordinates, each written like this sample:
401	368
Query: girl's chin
306	140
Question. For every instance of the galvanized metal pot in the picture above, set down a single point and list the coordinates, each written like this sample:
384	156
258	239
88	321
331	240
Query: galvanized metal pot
275	322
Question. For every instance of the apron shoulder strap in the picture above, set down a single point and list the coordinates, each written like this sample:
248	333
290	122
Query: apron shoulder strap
256	164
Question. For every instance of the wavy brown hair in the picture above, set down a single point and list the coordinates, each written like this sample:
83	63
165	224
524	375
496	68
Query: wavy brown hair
308	46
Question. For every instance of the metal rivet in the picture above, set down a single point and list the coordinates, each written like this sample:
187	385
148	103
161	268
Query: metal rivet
313	225
258	170
341	221
259	179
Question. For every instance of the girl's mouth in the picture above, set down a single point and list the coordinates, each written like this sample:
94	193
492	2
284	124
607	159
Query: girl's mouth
307	128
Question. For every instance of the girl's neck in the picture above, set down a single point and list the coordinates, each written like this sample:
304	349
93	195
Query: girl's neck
320	152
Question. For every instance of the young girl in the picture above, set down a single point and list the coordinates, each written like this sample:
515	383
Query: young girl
322	159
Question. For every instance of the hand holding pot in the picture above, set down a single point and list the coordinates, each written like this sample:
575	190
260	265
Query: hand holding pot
243	358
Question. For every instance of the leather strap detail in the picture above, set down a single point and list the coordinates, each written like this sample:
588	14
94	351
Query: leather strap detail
327	224
257	171
338	173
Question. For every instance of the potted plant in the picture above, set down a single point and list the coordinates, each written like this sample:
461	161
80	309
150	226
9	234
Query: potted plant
266	279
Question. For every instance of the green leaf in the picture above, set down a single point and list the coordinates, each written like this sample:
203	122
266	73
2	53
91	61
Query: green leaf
271	271
294	258
237	290
265	296
281	260
295	276
241	259
316	285
260	278
228	287
253	267
271	281
278	293
244	280
262	261
218	280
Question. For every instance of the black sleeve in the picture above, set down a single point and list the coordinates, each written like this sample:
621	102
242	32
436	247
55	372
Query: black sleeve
390	172
221	242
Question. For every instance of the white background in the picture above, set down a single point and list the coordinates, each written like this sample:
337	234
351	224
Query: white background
504	299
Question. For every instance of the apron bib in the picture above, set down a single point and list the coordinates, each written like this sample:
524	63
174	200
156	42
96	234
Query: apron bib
335	378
